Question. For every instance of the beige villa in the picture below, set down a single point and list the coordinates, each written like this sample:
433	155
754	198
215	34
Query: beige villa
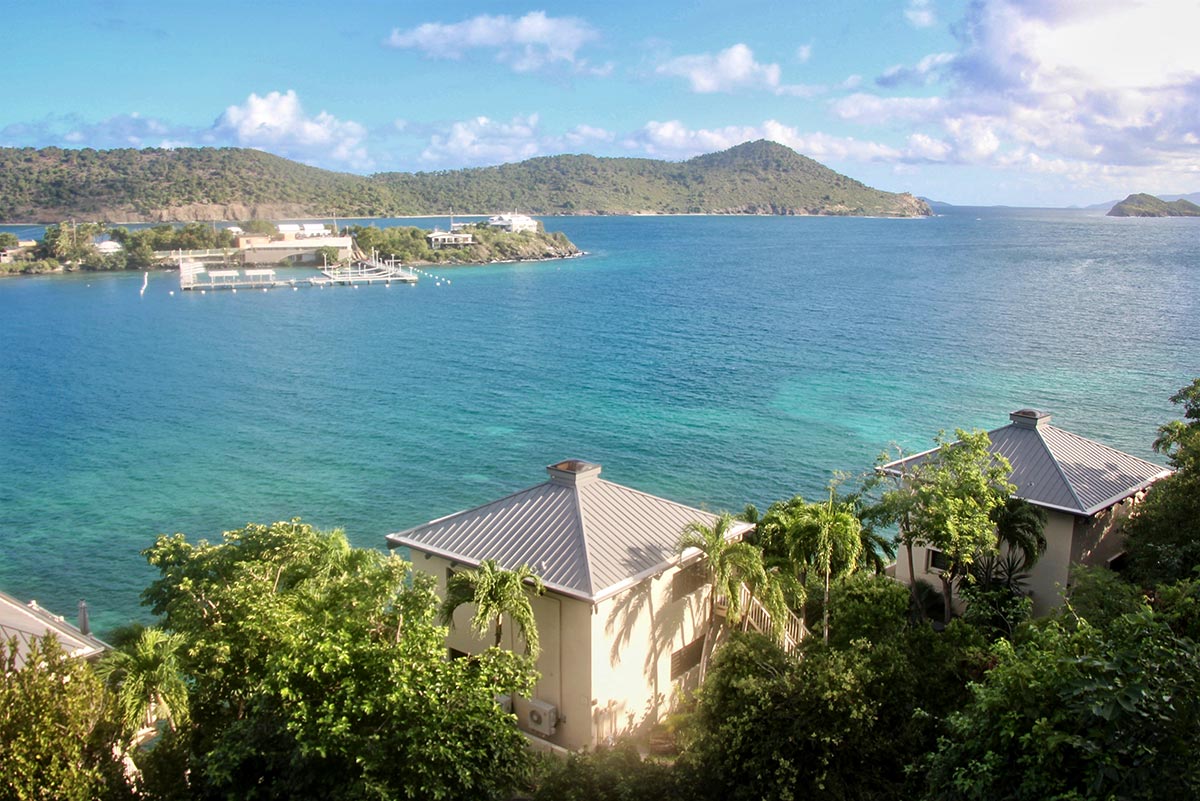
623	620
1087	489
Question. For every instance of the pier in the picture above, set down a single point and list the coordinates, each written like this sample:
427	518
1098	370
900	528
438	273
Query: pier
193	275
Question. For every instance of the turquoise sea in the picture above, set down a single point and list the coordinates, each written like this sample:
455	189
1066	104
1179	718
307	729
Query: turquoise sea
713	360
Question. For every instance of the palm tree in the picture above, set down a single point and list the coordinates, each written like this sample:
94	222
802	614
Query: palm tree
147	678
1021	527
838	543
495	592
730	564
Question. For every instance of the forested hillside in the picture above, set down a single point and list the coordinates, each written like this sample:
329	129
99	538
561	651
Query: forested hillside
237	184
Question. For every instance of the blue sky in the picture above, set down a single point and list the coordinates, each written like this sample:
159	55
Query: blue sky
1021	102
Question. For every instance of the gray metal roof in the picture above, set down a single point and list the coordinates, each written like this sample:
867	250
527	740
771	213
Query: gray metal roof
27	622
584	536
1060	470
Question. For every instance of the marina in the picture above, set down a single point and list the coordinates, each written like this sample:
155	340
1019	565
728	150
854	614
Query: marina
194	275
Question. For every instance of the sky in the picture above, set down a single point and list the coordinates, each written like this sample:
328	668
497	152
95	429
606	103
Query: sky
983	102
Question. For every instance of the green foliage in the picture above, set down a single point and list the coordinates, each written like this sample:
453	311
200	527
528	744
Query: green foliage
410	245
259	227
842	723
867	607
8	239
126	184
147	680
495	593
1099	596
1163	535
947	501
609	774
55	742
317	670
32	267
1178	605
1079	712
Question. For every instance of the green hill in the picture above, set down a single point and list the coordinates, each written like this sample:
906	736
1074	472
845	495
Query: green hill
239	184
1143	205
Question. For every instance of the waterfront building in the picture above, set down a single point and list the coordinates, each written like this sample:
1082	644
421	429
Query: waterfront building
623	620
441	239
513	223
1087	490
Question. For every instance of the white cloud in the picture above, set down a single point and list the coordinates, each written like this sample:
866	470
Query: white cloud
871	109
674	140
276	122
804	53
732	69
1054	87
924	72
920	13
482	141
121	130
526	44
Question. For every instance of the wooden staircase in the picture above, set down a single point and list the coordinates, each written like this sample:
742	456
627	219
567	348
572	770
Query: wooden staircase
756	617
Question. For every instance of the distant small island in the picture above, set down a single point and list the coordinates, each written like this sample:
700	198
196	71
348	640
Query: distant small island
1143	205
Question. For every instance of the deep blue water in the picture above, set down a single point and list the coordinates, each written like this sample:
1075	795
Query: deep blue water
713	360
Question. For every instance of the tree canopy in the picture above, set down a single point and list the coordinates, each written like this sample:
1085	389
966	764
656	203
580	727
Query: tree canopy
1163	536
317	670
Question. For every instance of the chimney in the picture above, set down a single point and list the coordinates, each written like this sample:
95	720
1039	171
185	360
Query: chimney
1029	418
573	473
85	626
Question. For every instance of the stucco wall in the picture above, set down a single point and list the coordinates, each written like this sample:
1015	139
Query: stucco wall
564	632
636	633
1046	579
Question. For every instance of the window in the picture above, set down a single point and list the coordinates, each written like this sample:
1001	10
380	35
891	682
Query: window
687	580
686	658
938	561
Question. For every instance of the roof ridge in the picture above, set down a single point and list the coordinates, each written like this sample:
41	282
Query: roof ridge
1057	466
583	536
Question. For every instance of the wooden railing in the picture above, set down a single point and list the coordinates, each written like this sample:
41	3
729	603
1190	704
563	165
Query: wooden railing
755	615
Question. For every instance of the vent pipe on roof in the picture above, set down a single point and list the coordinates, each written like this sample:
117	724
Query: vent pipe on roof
1029	418
573	472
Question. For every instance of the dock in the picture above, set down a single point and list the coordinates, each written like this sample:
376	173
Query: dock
194	276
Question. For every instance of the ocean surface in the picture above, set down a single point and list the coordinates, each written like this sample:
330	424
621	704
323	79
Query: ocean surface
712	360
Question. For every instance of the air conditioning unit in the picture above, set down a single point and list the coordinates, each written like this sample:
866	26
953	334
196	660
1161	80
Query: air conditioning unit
504	702
542	717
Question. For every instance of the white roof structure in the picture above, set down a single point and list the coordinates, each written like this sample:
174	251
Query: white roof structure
585	537
28	622
1060	470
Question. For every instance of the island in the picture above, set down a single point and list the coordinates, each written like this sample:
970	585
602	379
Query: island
71	247
1143	205
212	184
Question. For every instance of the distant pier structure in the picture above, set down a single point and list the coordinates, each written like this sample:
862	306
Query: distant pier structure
194	275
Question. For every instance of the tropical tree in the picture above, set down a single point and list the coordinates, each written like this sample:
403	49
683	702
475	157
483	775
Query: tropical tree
788	546
55	737
147	679
1076	711
837	540
946	501
495	592
1021	529
730	563
1163	535
317	670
